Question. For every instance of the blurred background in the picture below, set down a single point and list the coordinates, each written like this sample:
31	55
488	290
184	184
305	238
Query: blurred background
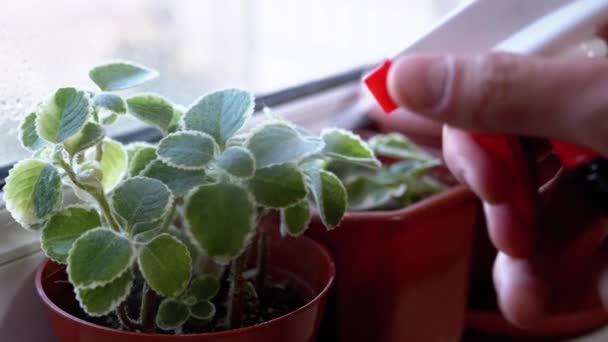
197	45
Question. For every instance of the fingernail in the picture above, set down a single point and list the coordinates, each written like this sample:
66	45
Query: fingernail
421	83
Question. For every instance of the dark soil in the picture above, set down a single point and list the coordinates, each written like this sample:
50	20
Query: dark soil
275	300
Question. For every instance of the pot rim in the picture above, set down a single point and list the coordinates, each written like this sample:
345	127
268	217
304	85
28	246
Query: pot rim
322	250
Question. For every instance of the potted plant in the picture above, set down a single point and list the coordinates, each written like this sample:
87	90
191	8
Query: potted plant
167	241
403	249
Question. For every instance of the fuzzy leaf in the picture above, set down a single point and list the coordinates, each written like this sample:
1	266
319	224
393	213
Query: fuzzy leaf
278	186
237	161
279	143
140	200
396	145
166	264
98	257
189	150
176	121
141	159
110	102
32	191
345	145
221	218
45	152
120	75
62	115
171	314
182	235
90	135
204	310
64	228
27	133
366	193
108	118
329	194
220	114
153	109
295	219
178	180
102	300
113	164
136	147
204	287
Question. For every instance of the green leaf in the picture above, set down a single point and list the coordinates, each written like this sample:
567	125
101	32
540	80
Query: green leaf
204	310
329	194
89	173
135	147
175	125
140	200
178	180
221	218
32	191
204	287
141	159
113	164
220	114
153	109
171	314
90	135
278	186
295	219
188	150
62	115
279	143
108	118
98	257
110	102
118	75
45	152
64	228
166	265
345	145
237	161
182	235
366	193
396	145
27	133
102	300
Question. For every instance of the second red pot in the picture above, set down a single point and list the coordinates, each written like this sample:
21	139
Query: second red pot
403	274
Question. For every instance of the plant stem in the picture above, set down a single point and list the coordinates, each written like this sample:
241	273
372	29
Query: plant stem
98	151
261	262
107	212
125	319
236	294
98	147
149	306
100	197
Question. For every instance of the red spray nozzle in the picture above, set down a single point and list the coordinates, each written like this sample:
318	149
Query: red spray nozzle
376	83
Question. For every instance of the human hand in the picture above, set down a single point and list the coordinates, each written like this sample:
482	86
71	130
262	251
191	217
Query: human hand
541	265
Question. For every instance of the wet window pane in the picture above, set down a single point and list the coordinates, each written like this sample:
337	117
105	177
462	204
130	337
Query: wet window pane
197	45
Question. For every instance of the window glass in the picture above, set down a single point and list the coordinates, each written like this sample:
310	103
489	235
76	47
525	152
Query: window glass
197	45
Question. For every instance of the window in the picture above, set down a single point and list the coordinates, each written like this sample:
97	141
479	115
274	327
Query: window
263	45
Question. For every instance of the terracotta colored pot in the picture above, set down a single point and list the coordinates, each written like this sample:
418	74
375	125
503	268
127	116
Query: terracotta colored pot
403	274
301	261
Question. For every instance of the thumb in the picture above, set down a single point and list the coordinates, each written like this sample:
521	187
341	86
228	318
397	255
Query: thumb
566	99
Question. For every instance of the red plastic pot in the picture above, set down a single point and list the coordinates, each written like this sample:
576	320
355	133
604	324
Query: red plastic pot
304	263
403	274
